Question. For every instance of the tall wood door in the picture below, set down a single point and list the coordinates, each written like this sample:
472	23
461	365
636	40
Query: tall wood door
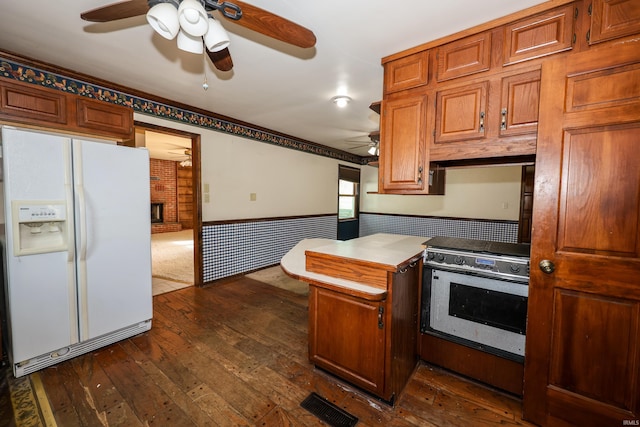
582	363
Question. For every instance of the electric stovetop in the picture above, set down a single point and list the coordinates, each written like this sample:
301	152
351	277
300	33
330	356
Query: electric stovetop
479	246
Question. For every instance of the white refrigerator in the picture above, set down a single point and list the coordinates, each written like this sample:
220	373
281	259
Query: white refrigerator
76	242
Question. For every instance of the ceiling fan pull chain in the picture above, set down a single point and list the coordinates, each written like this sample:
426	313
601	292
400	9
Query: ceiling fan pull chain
228	10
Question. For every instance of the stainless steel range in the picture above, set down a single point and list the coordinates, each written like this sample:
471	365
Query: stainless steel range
474	293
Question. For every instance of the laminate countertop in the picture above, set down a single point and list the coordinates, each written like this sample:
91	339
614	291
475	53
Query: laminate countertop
389	251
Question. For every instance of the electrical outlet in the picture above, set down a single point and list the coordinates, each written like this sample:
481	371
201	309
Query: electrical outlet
252	197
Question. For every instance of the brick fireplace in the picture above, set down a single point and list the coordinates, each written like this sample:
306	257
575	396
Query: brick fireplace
164	196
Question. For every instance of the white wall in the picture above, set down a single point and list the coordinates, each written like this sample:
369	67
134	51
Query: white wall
479	192
286	182
289	182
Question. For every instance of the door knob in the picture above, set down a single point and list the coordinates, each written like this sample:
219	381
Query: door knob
547	266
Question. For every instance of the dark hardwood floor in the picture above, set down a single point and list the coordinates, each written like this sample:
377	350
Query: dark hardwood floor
235	354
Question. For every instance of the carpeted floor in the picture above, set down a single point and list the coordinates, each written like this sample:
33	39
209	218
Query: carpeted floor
172	256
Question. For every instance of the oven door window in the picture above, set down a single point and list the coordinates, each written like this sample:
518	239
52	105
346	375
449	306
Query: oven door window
482	312
498	309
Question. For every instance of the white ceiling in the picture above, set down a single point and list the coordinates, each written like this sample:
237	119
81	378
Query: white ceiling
272	85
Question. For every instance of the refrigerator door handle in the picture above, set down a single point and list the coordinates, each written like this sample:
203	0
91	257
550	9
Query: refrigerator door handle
83	316
74	328
71	245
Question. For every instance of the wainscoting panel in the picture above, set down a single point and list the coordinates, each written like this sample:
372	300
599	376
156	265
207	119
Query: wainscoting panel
238	247
495	230
231	248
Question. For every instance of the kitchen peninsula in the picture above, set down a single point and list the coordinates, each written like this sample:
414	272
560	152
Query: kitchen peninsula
363	307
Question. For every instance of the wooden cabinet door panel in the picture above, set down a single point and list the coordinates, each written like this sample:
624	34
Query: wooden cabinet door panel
461	113
21	102
463	57
582	361
613	18
407	72
520	104
344	337
540	35
105	118
403	158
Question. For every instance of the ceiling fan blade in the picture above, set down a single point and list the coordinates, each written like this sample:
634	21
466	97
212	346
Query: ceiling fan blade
274	26
221	59
115	11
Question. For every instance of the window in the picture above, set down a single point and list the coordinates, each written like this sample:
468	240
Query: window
347	198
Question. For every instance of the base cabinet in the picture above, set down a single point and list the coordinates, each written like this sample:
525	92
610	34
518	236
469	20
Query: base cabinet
347	337
369	341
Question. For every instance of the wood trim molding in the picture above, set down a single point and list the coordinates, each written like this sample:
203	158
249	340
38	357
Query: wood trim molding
248	220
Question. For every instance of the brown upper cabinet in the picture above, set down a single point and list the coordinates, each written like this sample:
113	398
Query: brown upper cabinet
540	35
403	155
611	19
520	99
464	57
483	87
461	113
43	107
487	118
406	73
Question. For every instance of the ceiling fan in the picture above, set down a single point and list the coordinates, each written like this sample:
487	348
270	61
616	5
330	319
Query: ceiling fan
373	144
194	26
187	160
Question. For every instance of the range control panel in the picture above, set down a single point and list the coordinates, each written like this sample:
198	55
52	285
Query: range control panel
500	266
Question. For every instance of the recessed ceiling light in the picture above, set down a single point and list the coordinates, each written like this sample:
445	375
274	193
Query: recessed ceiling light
341	100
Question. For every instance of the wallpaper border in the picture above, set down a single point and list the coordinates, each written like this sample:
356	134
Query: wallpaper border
27	74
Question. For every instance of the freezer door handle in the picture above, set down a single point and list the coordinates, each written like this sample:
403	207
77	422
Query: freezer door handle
82	250
71	246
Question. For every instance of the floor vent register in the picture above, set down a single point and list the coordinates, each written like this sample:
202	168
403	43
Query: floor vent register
328	412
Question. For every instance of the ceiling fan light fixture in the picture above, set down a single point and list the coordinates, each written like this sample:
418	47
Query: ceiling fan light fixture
216	37
189	43
163	18
372	150
193	18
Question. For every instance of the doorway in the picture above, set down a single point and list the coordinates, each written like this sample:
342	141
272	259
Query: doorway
174	184
348	202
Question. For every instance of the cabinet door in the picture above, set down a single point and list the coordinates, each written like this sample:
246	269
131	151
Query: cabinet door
582	361
461	113
463	57
347	337
544	34
403	158
104	118
32	104
520	102
611	19
405	73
